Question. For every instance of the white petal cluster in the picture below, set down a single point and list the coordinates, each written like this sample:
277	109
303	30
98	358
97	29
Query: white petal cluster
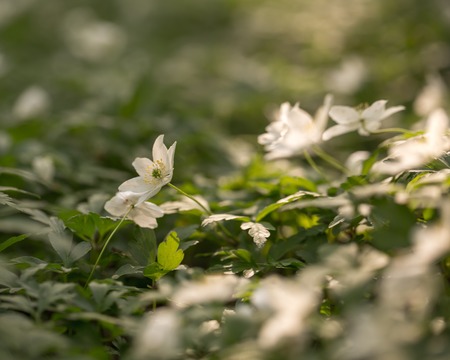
258	232
210	288
365	121
153	175
219	217
126	203
131	200
294	130
419	150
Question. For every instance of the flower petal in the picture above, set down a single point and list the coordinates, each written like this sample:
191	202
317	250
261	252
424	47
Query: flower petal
145	215
171	155
338	130
117	206
142	219
321	116
151	209
344	114
392	110
136	184
160	150
143	166
375	111
299	118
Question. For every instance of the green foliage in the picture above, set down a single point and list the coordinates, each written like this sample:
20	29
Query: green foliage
169	257
314	256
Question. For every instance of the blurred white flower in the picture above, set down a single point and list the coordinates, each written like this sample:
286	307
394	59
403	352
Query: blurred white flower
289	302
419	150
159	336
294	130
431	97
186	204
258	232
355	161
143	214
153	175
91	39
365	121
210	288
33	102
44	167
348	77
432	242
351	266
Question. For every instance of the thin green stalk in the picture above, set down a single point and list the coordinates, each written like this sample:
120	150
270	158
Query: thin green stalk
190	197
313	164
223	228
154	300
390	130
330	160
105	245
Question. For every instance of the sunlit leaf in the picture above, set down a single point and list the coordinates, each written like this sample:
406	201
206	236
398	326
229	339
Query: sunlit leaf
169	254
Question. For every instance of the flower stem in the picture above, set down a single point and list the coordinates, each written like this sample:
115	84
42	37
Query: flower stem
330	160
190	197
313	164
105	245
224	229
390	130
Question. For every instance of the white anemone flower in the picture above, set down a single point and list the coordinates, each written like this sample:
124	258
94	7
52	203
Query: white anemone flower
153	175
365	121
294	130
258	232
127	203
419	150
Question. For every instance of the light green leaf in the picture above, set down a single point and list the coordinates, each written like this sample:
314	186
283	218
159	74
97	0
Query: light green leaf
169	254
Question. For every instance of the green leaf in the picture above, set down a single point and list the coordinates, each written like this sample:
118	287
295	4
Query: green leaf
143	248
243	255
79	250
353	181
127	269
392	225
267	210
272	207
11	241
82	224
12	188
154	271
368	163
62	243
86	225
290	185
60	240
169	254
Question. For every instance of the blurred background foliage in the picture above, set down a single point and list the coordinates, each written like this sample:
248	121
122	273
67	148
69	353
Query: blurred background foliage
86	86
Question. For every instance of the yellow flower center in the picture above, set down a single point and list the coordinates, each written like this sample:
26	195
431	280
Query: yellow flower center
154	173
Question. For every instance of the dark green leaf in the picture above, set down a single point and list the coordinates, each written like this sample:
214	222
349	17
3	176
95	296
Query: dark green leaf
11	241
143	246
